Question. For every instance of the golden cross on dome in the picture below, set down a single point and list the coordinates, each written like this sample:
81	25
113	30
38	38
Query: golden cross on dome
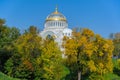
56	9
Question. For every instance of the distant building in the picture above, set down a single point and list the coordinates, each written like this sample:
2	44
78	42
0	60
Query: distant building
56	25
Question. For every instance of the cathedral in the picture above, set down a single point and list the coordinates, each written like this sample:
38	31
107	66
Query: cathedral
56	25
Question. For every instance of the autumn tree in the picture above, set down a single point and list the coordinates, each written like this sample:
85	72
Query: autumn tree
87	52
52	60
102	56
35	58
26	49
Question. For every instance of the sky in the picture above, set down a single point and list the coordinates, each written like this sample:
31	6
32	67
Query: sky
101	16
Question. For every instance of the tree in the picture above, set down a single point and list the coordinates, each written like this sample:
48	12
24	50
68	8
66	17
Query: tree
90	53
7	37
102	55
35	58
2	21
52	60
116	42
116	67
26	50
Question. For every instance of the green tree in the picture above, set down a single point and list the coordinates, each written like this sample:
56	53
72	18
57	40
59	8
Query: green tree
26	49
2	22
116	42
7	37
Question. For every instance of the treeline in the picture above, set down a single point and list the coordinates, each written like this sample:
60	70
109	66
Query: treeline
115	37
29	57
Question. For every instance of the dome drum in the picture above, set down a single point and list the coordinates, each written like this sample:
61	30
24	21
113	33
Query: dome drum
56	24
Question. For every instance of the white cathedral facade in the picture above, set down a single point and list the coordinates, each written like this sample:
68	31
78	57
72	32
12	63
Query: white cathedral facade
56	25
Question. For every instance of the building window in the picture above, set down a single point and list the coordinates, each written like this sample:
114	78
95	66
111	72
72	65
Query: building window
66	34
55	23
60	24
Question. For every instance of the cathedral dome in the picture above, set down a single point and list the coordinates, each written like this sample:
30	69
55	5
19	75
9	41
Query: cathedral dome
56	16
56	21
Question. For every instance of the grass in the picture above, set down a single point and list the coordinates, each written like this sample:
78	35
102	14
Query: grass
5	77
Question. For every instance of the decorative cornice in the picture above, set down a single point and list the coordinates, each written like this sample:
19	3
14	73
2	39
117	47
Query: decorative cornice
56	19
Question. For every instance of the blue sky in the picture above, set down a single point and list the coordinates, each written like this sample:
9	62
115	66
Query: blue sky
101	16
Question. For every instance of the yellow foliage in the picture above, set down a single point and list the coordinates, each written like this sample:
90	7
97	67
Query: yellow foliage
88	32
118	60
109	66
101	54
91	66
101	65
89	53
90	50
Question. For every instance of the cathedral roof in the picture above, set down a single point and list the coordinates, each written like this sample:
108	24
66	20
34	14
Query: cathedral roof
56	16
67	30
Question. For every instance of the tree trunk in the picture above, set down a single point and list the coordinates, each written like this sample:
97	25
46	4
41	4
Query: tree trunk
79	75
